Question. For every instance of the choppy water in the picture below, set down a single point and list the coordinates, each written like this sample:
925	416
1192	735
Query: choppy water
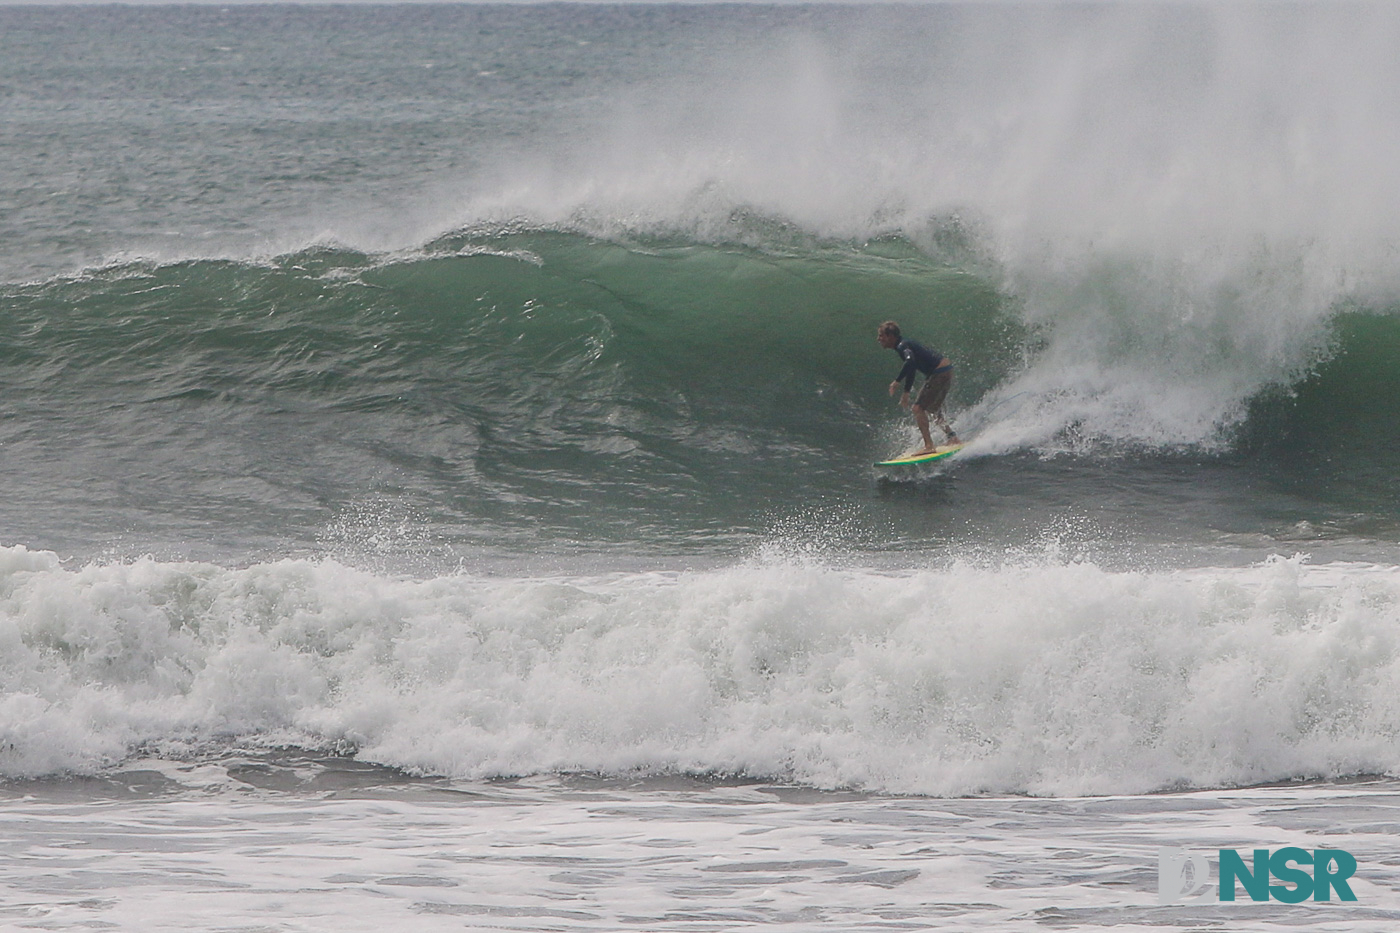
490	392
162	847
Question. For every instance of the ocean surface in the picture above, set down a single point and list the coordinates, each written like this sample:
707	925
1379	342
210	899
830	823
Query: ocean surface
437	452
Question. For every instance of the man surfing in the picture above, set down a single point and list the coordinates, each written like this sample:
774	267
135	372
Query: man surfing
939	379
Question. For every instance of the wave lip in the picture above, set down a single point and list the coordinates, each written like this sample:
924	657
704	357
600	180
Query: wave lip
1043	679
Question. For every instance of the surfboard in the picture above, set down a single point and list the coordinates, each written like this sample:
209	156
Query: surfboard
939	453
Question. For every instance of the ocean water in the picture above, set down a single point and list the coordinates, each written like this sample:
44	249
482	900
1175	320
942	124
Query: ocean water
437	449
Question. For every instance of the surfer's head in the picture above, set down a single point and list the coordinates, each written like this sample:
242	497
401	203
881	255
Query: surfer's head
888	334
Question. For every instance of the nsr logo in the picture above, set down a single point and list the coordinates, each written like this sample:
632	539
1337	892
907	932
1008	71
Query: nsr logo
1184	876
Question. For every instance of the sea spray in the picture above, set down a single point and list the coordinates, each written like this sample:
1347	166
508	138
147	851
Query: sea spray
1174	200
1043	677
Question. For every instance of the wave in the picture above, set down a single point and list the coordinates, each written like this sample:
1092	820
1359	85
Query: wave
669	340
541	391
1126	224
1043	677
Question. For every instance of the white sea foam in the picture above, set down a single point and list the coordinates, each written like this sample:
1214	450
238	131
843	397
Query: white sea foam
1177	197
1040	677
582	855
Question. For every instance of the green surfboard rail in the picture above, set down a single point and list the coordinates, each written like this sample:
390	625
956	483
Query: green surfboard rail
940	454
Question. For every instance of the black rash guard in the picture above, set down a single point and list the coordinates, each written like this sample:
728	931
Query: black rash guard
918	358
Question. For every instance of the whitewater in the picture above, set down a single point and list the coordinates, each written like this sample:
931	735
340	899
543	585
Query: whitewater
1050	679
438	450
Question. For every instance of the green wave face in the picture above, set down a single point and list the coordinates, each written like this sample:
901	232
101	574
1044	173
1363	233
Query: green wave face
1332	435
546	391
535	380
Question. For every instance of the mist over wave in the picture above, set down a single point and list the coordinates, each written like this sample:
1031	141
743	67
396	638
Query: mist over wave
1174	199
1177	198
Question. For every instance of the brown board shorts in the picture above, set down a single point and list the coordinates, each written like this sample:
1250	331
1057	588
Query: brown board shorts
935	391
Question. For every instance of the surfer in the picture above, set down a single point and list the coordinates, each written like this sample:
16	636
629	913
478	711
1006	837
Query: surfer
939	378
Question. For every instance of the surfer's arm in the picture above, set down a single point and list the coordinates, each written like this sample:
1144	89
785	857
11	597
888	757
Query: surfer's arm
906	375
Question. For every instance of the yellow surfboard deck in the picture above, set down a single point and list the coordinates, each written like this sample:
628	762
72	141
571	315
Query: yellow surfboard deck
939	453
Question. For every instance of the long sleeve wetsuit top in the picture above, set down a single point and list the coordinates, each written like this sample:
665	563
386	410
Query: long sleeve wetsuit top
917	358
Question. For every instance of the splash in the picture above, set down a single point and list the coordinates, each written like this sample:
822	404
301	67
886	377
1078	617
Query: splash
1043	677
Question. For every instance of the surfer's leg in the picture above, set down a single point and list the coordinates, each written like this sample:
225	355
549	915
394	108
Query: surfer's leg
930	404
942	422
921	419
